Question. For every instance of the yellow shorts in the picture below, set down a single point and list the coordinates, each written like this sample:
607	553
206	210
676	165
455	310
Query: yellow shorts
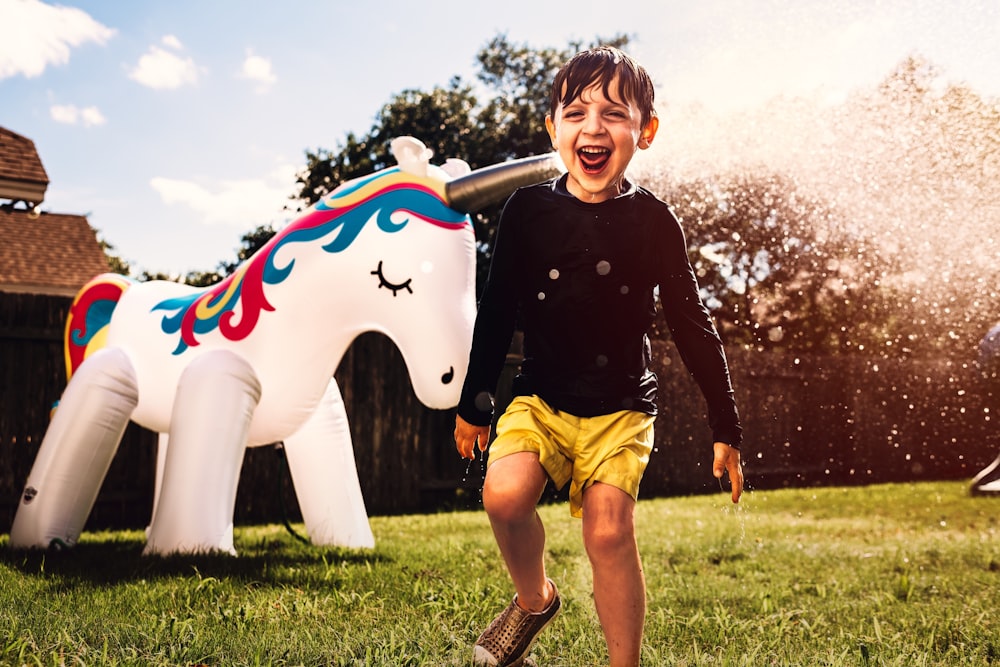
612	449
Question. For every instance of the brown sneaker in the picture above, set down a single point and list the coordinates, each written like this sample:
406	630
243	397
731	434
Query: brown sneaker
507	640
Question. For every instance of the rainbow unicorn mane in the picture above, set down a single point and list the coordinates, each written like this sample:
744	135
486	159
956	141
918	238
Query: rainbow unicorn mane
343	214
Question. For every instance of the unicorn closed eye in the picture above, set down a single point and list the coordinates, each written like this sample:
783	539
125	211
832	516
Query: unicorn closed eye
250	361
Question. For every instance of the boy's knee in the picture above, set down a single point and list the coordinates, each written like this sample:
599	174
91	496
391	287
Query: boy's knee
507	501
513	487
608	539
608	523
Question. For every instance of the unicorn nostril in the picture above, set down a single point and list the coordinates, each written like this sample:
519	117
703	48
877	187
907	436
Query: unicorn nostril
449	376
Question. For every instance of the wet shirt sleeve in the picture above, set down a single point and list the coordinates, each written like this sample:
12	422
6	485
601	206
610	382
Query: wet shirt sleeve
695	335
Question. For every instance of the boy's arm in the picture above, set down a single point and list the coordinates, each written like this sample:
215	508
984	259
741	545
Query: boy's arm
700	346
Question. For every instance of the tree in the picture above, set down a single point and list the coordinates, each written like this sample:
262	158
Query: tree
325	170
772	269
116	263
453	122
250	243
923	181
871	227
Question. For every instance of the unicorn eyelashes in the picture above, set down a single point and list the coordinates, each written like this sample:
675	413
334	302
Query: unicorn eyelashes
383	282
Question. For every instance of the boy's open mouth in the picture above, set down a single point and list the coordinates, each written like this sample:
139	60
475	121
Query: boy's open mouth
593	158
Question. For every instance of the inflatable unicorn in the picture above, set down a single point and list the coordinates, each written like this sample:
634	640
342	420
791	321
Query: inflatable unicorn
987	482
250	360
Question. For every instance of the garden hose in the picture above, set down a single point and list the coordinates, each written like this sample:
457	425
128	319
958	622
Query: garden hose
282	471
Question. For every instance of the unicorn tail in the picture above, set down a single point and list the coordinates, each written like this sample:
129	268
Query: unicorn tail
89	317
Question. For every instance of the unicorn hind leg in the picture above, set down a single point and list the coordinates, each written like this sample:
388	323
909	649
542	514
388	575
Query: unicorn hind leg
76	451
216	398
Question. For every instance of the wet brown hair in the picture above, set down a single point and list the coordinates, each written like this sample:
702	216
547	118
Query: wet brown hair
601	65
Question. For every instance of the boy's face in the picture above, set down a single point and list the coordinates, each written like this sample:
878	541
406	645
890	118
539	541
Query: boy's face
596	138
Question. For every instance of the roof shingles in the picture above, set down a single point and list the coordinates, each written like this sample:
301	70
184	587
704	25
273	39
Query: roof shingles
50	253
19	160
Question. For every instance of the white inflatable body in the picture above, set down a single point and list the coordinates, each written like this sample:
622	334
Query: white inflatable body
250	361
987	481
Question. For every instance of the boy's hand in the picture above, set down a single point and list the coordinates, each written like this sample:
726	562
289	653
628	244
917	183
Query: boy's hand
466	436
727	459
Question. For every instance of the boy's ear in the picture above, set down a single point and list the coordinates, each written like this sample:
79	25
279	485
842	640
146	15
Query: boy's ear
649	132
550	127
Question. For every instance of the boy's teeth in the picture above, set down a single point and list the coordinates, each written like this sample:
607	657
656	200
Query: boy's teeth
593	157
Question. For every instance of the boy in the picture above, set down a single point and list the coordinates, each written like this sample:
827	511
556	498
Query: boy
579	258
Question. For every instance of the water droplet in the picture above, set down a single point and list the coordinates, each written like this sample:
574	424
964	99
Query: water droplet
541	296
603	267
624	289
484	402
601	361
554	274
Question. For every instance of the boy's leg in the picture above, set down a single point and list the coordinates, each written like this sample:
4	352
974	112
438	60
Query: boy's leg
619	584
513	486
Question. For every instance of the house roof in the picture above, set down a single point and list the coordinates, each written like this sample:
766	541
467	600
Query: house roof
47	253
22	176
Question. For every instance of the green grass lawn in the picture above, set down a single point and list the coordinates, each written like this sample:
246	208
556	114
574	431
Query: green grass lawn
904	575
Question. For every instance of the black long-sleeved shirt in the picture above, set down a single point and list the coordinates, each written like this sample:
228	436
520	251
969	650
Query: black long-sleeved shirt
582	277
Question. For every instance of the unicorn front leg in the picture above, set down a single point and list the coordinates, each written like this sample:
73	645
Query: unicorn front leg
321	460
216	398
76	451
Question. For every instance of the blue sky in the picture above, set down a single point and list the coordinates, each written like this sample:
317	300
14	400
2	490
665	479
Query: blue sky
178	125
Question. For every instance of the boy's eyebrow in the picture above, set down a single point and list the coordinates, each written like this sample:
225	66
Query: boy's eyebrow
612	102
609	96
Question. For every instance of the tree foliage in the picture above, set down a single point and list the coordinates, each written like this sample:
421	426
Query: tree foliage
879	238
116	263
841	251
749	236
454	121
505	119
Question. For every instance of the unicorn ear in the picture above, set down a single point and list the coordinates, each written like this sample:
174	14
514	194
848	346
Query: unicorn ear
456	168
411	155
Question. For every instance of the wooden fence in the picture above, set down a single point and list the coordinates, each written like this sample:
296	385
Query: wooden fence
808	421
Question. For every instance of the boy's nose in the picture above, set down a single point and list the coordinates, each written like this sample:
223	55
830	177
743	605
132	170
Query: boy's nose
594	124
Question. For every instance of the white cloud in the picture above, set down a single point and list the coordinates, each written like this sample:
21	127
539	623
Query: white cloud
164	70
242	204
70	114
34	35
258	68
173	42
